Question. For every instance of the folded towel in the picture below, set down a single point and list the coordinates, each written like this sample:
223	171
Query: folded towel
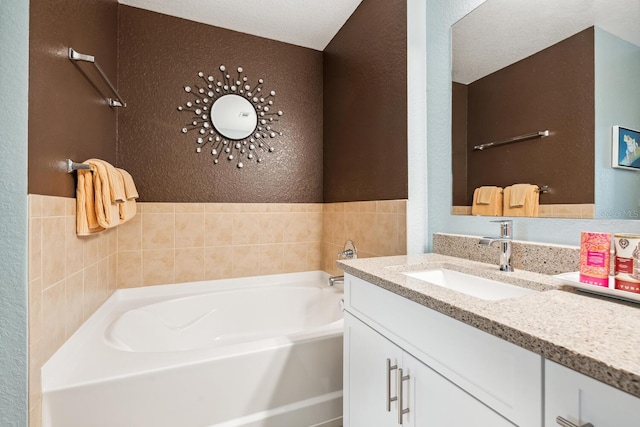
519	192
530	205
105	197
116	185
493	208
128	209
86	221
486	195
107	212
129	186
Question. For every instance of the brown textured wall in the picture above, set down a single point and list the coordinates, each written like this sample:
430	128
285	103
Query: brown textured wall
158	56
554	90
459	143
365	105
68	117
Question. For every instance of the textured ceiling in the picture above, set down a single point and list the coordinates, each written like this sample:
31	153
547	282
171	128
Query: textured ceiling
307	23
501	32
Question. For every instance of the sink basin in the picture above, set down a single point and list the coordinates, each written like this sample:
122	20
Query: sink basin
471	285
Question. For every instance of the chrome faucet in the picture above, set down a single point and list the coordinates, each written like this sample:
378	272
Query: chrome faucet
347	253
505	239
335	279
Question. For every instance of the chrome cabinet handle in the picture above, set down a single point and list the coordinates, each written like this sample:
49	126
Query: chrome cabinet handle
401	410
389	398
565	423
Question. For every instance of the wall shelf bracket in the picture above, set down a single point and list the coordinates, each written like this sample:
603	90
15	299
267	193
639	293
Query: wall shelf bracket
114	99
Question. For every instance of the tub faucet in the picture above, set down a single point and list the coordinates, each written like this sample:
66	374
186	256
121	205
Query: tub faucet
505	239
348	252
335	279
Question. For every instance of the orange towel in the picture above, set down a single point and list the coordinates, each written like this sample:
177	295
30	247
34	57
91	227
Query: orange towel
521	200
95	205
127	209
129	186
107	212
113	179
493	208
486	194
105	197
519	194
86	221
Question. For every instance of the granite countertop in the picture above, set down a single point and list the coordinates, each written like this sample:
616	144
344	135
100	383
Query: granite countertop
595	336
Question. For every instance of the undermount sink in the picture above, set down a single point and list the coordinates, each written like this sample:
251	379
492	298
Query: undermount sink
471	285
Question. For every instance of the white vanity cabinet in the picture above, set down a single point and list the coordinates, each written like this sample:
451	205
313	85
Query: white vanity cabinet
583	401
370	383
374	393
457	374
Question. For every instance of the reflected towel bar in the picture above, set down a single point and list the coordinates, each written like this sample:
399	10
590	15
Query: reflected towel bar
539	134
117	100
73	166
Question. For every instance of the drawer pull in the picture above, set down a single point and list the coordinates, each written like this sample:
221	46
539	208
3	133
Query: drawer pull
565	423
389	398
401	410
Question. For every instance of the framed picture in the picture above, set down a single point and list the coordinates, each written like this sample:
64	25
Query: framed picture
626	148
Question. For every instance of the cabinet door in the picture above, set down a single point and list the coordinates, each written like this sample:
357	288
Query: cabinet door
365	376
500	374
580	400
436	401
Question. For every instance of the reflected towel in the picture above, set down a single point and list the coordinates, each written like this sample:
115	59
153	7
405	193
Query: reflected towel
486	194
519	193
493	208
530	204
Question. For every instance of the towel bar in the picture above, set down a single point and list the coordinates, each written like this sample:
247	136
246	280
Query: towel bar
75	56
73	166
539	134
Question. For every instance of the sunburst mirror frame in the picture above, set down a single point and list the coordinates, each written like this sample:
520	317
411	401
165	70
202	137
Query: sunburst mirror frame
256	142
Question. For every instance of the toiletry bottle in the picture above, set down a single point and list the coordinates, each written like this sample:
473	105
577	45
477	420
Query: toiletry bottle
594	258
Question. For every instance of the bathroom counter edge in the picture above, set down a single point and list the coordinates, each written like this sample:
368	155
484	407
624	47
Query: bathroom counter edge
594	336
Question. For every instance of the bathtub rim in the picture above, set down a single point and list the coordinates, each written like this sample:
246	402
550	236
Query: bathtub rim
277	293
57	374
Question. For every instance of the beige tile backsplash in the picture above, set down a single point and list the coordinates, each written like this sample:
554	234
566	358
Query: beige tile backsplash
378	228
70	277
182	242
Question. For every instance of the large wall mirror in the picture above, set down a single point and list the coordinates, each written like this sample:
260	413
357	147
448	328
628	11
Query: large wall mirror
569	67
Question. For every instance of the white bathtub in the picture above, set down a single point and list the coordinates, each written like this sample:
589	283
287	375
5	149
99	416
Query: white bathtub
251	352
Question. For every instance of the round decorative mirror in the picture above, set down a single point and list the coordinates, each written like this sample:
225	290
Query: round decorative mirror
233	117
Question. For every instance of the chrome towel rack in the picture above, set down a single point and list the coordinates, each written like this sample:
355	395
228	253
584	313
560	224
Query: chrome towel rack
539	134
73	166
116	100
